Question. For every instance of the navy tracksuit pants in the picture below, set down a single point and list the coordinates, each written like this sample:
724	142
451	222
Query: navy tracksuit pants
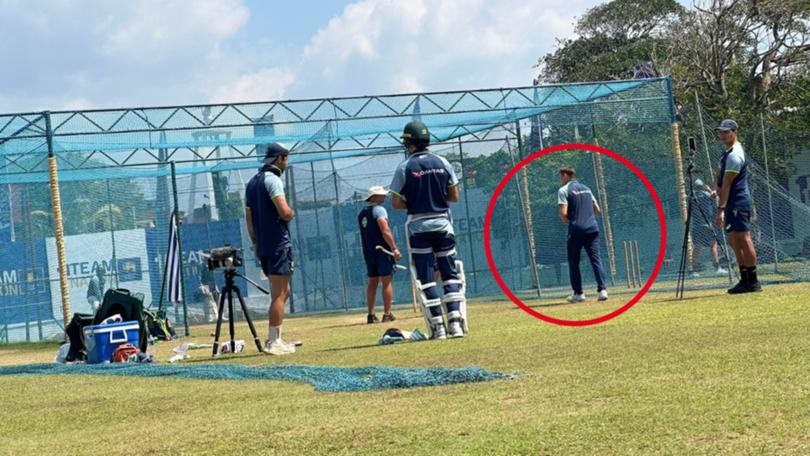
589	241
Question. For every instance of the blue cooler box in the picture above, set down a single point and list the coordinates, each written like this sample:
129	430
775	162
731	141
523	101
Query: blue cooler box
102	340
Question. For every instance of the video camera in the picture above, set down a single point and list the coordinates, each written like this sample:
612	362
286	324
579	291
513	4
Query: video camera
226	257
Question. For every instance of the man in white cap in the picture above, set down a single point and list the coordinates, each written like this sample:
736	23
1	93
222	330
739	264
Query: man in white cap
374	231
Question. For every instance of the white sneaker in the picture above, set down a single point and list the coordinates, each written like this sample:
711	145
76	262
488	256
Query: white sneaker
455	329
576	298
603	295
721	271
278	347
439	332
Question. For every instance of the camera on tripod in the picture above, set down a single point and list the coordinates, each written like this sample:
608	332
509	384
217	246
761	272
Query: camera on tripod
226	257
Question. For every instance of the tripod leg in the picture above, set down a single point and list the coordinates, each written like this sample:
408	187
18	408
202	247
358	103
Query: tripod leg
685	248
249	320
219	321
231	318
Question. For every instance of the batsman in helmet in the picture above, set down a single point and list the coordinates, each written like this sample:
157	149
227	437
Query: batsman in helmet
424	185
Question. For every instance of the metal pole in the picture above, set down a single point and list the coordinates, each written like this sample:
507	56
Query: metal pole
114	262
292	292
679	180
318	231
600	182
180	250
467	209
703	135
294	200
59	232
523	190
342	242
770	196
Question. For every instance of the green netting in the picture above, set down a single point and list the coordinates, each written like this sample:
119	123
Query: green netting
119	169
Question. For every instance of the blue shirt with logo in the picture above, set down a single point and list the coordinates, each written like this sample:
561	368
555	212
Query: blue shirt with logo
580	200
370	232
733	161
272	233
423	181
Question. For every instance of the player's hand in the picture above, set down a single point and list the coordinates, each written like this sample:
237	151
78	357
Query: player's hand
720	218
397	255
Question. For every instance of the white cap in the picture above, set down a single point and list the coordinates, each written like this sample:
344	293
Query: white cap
375	190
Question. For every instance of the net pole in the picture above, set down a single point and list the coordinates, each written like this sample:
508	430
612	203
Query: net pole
318	230
58	228
294	200
770	195
525	203
179	250
681	183
292	292
114	262
467	209
342	247
600	182
703	135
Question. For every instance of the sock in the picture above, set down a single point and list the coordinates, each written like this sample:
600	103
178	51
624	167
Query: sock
752	275
743	274
275	333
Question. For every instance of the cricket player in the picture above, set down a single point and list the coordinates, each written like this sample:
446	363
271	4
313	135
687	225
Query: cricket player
374	232
425	185
734	210
267	216
578	209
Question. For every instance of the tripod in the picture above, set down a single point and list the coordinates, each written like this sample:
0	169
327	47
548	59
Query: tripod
684	264
228	291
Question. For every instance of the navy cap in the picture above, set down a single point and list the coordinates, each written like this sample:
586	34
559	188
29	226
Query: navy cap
274	150
726	125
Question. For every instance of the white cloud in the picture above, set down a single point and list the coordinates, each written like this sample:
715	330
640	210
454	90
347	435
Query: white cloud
71	53
267	84
384	46
110	54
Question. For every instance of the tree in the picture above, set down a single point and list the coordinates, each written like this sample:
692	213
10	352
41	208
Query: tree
740	55
613	37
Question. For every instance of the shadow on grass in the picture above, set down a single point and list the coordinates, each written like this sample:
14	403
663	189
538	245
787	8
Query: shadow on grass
363	323
688	298
353	347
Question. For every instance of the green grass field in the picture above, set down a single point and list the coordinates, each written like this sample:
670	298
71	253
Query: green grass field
712	374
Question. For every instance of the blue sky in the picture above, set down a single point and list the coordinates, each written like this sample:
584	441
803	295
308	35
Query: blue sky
72	54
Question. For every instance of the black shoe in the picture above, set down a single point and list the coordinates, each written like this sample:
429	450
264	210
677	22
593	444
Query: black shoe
371	319
388	317
745	288
741	287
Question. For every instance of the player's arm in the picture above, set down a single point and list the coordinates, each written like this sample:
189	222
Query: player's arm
725	189
596	209
397	184
285	212
249	223
388	236
397	201
562	201
453	194
275	188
